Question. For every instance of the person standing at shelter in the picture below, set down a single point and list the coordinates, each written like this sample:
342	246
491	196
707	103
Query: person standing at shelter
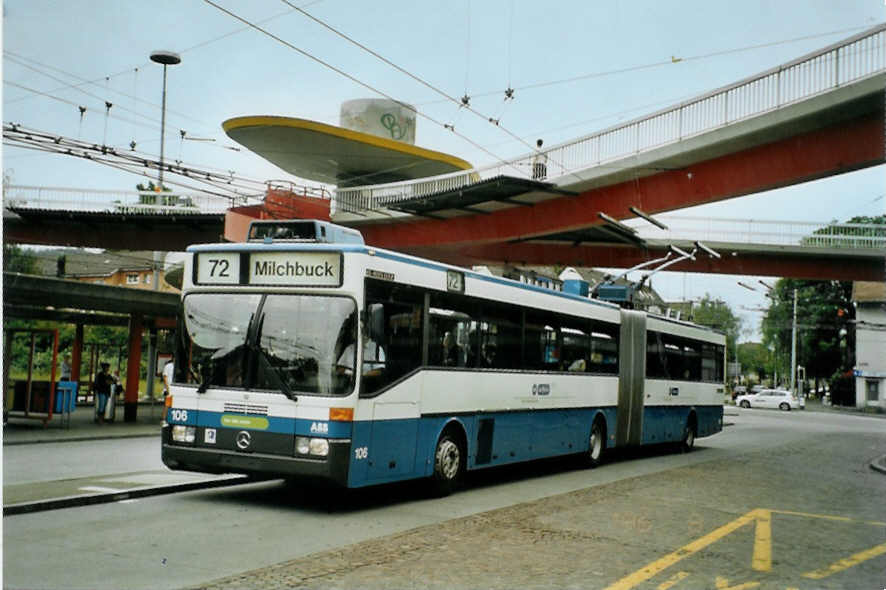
104	381
66	368
168	370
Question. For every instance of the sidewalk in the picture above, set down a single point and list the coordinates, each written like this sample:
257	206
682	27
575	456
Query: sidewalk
23	440
22	431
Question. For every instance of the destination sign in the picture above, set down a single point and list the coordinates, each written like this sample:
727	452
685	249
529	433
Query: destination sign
321	269
294	269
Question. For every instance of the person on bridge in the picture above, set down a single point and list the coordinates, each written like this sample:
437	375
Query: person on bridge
102	386
539	163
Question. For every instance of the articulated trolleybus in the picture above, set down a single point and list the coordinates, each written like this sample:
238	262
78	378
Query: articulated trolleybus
305	353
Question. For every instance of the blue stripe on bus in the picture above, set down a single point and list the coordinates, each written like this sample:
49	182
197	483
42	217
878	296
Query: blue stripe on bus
404	449
666	423
393	450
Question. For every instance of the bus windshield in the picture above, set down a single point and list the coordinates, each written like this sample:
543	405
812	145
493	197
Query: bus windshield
290	343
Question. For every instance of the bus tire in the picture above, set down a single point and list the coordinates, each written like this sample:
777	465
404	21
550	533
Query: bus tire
690	432
596	443
449	464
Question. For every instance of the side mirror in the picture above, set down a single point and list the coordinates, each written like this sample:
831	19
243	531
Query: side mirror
376	322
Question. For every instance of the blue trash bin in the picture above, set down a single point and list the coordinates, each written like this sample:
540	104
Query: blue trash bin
65	396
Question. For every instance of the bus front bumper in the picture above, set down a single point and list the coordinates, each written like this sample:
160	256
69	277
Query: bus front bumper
333	468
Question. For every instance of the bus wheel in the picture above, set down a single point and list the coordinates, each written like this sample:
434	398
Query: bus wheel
689	434
449	465
596	444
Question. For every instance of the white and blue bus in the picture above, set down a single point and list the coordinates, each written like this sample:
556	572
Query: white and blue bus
304	353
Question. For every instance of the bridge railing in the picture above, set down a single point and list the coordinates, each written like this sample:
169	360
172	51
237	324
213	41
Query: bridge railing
848	61
828	235
111	201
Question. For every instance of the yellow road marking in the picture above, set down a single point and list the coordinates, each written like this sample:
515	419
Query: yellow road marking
846	563
762	555
683	552
828	517
723	584
762	560
673	580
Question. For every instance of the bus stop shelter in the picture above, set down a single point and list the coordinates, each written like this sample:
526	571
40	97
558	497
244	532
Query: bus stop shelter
44	298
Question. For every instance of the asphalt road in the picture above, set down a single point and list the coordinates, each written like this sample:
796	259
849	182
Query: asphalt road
774	499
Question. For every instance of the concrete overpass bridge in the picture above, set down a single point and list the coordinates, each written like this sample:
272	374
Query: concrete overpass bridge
120	220
173	221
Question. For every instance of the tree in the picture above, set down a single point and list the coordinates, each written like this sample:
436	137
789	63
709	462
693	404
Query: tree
755	357
715	313
825	340
16	259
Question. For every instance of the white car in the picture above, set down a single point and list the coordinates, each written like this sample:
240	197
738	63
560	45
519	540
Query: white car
769	398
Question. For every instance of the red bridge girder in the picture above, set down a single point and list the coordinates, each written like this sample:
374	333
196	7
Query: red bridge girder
843	147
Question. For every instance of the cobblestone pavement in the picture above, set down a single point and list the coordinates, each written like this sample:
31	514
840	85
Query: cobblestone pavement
595	537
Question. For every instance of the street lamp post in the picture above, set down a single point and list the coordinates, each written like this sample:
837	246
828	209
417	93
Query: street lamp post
167	58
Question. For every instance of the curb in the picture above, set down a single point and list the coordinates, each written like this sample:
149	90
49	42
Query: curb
90	499
879	464
40	441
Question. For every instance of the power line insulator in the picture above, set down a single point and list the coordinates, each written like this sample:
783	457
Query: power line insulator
465	101
509	93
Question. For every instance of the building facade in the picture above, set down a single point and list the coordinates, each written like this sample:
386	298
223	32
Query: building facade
870	344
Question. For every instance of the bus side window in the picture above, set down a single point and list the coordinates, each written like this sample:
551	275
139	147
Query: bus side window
394	319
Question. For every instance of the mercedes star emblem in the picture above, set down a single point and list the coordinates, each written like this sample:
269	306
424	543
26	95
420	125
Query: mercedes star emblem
244	439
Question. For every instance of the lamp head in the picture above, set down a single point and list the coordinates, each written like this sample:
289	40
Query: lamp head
167	58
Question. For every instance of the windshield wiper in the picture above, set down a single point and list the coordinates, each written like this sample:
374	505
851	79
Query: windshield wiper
269	369
205	379
275	375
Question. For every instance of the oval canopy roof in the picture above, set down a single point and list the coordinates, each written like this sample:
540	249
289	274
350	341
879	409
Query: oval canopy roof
335	155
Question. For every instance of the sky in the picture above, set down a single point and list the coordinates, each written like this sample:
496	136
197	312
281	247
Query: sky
576	67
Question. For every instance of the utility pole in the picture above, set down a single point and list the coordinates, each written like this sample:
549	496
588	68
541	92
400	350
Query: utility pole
794	348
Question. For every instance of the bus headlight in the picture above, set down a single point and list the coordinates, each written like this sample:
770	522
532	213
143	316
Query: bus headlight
318	447
183	434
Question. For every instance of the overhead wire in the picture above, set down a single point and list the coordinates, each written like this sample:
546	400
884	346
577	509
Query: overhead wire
104	100
78	105
356	80
20	61
667	62
21	137
458	102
